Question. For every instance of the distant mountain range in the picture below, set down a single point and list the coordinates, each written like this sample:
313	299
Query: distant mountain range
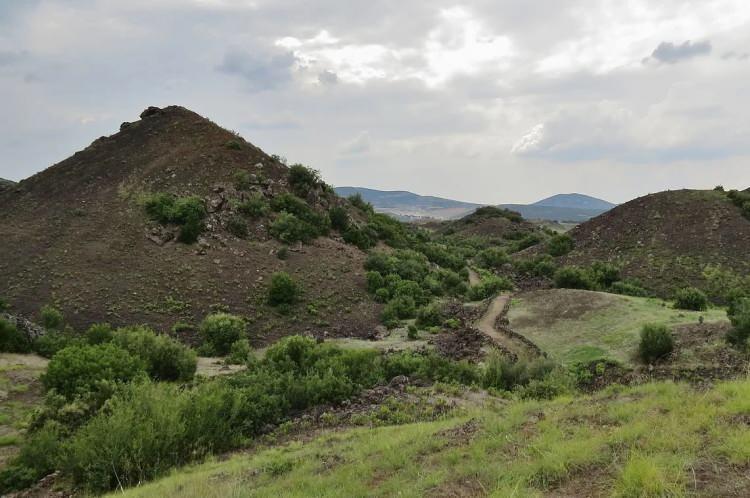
410	206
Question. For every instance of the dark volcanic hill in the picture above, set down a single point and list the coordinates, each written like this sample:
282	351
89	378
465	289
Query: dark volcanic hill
667	239
488	221
575	201
6	185
76	235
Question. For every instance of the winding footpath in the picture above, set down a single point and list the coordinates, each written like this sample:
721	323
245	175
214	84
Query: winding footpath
486	325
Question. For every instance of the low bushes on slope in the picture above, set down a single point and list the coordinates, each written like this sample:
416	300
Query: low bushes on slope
186	212
656	342
691	299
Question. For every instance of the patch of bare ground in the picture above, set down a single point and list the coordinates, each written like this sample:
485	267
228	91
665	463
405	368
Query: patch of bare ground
712	478
590	482
211	367
550	305
463	487
701	356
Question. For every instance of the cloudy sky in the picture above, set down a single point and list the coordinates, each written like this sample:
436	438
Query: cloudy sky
488	101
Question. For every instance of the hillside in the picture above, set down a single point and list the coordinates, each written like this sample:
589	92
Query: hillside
628	442
667	239
77	235
6	185
489	222
410	206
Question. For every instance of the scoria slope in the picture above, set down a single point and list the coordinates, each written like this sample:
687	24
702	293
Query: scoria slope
76	235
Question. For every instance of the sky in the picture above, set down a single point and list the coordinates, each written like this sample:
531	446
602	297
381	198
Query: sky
491	101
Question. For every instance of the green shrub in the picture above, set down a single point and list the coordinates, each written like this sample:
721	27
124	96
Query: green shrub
283	253
283	290
382	295
357	201
374	281
604	274
99	333
4	306
254	207
560	245
186	212
691	298
85	369
164	358
49	344
430	315
38	457
289	229
364	238
240	352
492	257
221	330
303	179
739	315
398	308
656	342
237	226
241	180
233	145
51	318
12	340
572	277
628	288
339	218
411	332
488	287
501	372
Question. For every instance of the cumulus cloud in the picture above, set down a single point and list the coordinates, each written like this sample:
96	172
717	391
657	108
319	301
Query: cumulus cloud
671	53
474	100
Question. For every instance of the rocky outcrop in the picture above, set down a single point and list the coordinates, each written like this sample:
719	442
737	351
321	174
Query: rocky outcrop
27	327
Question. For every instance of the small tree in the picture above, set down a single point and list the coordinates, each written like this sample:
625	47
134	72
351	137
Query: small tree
560	245
52	318
221	330
691	298
572	277
303	179
739	315
656	342
283	290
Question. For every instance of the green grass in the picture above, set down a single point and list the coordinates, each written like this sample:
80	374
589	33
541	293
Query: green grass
576	326
627	442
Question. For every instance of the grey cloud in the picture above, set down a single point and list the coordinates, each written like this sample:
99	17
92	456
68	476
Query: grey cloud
671	53
328	78
740	56
260	71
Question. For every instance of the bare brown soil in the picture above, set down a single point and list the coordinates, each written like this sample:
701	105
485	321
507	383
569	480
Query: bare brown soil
667	239
74	235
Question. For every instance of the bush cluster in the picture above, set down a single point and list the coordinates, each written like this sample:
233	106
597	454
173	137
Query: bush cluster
739	315
559	245
691	299
220	331
741	199
599	276
488	287
297	221
283	290
506	374
12	340
656	342
303	179
186	212
255	206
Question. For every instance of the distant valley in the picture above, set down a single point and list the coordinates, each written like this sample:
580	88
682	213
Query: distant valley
408	206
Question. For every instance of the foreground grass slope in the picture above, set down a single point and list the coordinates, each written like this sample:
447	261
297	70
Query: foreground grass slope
577	325
627	442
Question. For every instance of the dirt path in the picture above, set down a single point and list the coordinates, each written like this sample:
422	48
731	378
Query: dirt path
486	325
474	278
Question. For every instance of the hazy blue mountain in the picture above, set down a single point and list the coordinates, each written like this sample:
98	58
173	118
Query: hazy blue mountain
408	205
577	201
